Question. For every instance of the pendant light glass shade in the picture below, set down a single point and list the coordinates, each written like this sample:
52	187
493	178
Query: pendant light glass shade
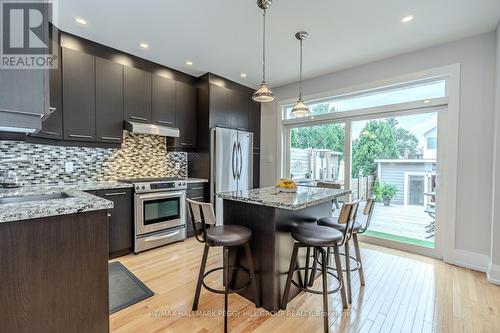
263	94
300	109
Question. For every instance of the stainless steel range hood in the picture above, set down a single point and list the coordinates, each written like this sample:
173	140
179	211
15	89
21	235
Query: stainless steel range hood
142	128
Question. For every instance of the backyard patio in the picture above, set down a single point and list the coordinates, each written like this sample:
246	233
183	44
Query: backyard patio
406	224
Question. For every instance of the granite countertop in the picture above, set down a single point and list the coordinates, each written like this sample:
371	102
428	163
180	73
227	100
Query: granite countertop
77	202
269	196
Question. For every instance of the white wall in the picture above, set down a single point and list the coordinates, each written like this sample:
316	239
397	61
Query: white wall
268	145
494	268
476	124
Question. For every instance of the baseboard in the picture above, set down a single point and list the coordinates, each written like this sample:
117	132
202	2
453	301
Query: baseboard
472	260
493	273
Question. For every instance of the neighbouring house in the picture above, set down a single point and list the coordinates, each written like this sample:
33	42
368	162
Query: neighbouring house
411	177
429	143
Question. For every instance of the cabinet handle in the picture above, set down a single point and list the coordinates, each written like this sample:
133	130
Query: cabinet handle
138	118
197	198
186	144
110	138
164	122
196	188
114	194
241	129
109	214
80	136
49	133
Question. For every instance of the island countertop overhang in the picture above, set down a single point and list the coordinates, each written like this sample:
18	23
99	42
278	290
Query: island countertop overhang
270	197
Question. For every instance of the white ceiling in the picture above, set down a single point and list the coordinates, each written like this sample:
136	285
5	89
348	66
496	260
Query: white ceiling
224	36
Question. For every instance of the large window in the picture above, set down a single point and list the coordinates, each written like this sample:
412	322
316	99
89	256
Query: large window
379	97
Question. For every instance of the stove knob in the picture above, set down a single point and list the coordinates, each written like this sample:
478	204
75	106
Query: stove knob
137	187
143	187
179	184
183	184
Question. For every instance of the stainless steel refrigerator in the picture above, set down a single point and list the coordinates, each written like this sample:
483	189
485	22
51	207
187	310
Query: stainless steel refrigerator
231	164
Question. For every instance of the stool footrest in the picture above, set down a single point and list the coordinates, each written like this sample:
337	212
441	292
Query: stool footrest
317	292
230	291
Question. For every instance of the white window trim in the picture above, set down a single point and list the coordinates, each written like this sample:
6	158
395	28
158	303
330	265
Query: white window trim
446	212
406	186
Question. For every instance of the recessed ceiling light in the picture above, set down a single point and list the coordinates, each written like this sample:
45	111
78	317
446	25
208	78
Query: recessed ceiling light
144	45
243	75
407	18
189	63
427	101
80	20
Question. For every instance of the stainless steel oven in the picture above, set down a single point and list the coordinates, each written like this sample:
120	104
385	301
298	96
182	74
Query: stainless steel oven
159	212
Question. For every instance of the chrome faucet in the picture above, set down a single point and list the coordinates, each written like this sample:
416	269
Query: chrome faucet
10	178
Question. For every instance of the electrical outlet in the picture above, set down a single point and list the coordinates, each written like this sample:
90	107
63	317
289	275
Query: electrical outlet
69	167
177	165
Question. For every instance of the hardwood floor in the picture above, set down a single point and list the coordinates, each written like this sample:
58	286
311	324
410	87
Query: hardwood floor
404	293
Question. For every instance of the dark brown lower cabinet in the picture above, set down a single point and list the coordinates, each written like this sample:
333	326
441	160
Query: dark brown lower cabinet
54	274
196	192
120	221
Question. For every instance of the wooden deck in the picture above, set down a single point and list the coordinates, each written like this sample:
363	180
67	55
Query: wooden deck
404	222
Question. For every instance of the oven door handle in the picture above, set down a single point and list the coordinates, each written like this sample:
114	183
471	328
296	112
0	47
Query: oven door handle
153	196
157	238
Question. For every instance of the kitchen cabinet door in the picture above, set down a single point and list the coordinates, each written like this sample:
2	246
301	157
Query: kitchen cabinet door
137	94
163	101
109	101
186	102
78	73
254	122
220	107
120	220
239	110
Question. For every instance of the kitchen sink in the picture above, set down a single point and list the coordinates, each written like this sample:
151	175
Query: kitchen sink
28	198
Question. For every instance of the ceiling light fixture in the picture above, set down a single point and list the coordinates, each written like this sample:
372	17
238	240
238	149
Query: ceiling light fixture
263	94
407	18
144	45
243	75
80	20
189	63
300	109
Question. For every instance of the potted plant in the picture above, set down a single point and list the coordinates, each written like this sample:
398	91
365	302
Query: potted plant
386	192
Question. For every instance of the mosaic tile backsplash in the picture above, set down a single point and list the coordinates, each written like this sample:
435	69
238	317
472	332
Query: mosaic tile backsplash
140	155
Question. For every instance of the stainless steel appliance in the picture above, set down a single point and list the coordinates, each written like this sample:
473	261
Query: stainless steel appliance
159	212
231	164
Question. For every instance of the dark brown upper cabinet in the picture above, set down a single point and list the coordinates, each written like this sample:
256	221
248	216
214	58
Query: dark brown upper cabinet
254	122
109	101
220	106
186	97
78	75
163	101
239	110
137	94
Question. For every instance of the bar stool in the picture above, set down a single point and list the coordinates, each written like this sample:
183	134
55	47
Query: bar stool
226	236
320	237
358	229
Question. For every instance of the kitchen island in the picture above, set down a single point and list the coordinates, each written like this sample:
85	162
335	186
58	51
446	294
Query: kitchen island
271	215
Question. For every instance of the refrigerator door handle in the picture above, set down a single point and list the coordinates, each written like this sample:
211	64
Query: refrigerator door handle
233	168
241	160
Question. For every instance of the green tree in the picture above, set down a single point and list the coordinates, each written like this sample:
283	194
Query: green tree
376	141
330	136
407	143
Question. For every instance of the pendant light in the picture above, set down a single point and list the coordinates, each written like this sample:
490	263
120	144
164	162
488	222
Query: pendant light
263	94
300	109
